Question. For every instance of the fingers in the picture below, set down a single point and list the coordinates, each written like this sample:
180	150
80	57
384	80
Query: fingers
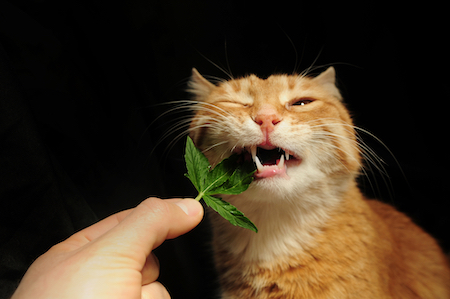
92	232
159	220
154	290
153	215
148	225
150	271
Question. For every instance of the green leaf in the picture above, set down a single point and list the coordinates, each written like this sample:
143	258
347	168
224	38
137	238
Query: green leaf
239	180
228	177
196	163
217	177
229	212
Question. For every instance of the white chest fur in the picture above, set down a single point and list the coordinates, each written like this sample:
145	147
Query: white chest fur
285	224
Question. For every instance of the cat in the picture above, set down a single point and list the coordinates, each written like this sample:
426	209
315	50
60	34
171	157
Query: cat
319	237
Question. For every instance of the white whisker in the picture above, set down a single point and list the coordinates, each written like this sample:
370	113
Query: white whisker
372	159
213	146
217	66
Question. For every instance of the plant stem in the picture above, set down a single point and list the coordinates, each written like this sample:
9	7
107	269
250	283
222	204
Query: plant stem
199	196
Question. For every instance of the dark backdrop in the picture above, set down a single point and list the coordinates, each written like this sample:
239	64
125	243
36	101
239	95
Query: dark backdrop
82	84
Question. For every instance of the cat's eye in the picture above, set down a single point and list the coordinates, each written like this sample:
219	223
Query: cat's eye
233	104
302	101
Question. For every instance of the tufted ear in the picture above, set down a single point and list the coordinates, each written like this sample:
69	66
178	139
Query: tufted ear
328	81
199	86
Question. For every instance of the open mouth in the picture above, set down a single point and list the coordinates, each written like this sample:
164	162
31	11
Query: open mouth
273	161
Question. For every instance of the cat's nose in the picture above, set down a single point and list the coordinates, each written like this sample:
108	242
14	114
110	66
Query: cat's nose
267	117
267	120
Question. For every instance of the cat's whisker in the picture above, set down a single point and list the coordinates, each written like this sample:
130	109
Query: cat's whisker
185	130
354	130
192	105
216	79
226	59
217	66
212	122
213	146
211	109
181	105
317	144
307	71
372	159
234	147
176	139
362	167
182	125
367	153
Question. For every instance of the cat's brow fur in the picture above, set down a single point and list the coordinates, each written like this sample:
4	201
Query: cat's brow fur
319	237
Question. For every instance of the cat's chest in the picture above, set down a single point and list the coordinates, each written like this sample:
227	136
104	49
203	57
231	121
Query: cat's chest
279	235
326	270
307	274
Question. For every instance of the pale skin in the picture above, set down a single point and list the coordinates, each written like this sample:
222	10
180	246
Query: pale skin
112	258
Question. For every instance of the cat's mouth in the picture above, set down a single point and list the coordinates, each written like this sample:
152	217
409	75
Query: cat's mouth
272	161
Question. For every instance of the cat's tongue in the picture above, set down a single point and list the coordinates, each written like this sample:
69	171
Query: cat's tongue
271	170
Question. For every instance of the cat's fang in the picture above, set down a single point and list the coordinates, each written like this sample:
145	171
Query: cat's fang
255	158
280	164
259	164
266	171
253	152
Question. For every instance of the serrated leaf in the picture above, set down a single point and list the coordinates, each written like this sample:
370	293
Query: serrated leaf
219	176
238	181
196	163
228	177
229	212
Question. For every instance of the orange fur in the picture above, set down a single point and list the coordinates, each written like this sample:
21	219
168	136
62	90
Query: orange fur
318	236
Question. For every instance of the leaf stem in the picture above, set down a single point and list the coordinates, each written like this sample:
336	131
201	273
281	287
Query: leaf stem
199	196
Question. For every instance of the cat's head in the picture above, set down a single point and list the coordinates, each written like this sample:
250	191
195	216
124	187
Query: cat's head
295	128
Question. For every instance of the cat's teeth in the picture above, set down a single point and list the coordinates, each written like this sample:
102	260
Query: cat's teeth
287	156
256	159
253	152
281	162
258	164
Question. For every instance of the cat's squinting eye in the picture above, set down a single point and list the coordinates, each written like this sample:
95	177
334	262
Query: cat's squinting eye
302	101
233	104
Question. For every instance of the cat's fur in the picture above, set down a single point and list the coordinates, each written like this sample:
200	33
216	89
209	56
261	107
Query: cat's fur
318	236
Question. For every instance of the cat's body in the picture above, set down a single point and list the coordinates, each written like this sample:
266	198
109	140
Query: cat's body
318	236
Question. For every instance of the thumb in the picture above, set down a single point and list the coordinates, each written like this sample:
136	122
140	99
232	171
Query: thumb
152	222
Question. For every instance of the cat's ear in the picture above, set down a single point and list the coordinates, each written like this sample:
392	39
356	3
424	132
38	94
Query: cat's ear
199	86
327	80
327	77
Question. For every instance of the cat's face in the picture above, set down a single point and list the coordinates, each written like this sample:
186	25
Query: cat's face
295	128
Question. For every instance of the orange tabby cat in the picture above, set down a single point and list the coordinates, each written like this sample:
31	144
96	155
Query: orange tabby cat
318	236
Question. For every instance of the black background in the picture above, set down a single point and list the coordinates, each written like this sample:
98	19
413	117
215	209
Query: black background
82	84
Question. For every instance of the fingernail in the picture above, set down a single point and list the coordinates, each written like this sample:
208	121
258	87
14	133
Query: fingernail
190	206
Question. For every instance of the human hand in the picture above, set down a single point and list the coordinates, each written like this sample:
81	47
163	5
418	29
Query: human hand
112	258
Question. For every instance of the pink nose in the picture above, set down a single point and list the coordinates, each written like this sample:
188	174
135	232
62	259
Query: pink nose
267	123
267	120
